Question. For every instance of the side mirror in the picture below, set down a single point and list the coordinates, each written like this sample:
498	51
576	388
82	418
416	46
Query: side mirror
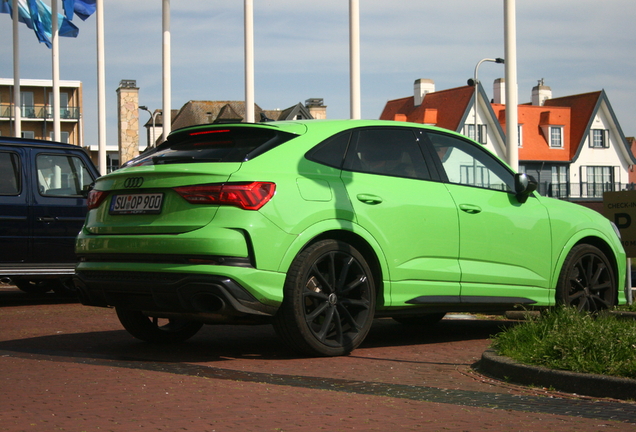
524	186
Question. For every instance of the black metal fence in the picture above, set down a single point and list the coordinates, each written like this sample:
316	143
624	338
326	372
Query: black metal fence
581	190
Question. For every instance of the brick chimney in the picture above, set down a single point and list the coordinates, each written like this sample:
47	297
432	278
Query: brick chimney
420	88
128	120
540	93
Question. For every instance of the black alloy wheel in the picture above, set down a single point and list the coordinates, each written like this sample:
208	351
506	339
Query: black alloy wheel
587	280
329	300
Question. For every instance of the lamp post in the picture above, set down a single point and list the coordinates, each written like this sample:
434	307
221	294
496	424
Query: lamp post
475	82
153	115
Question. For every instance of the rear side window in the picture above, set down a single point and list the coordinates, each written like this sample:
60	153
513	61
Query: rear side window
387	151
331	152
9	174
229	144
62	175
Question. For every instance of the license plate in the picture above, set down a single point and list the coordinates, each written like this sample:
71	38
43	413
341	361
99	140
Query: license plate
144	203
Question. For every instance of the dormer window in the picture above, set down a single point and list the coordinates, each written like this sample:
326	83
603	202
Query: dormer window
600	138
556	136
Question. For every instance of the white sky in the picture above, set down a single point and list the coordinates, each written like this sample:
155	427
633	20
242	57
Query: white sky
302	47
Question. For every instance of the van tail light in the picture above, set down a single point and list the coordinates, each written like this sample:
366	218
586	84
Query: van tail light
245	195
95	198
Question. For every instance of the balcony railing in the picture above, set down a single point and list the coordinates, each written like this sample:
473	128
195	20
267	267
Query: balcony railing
39	112
581	190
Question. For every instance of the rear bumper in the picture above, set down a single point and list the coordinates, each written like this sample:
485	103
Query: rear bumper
207	296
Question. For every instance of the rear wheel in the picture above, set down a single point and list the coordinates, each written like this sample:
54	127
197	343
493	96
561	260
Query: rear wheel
157	330
587	280
329	300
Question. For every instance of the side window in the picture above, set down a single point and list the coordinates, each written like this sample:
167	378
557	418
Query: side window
61	175
330	152
392	152
9	174
466	164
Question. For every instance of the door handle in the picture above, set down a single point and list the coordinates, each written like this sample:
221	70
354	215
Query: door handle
46	219
369	199
470	208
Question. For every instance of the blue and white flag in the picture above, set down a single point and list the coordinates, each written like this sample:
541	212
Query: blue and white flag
38	17
82	8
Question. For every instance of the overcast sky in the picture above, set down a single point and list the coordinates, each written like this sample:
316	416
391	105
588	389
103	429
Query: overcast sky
302	48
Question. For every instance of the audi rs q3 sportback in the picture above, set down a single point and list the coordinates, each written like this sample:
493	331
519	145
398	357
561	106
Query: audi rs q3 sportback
319	226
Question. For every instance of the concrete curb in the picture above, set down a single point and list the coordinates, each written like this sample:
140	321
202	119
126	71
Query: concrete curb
506	369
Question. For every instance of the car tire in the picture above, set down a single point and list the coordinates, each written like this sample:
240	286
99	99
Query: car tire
329	300
34	286
149	329
427	319
587	280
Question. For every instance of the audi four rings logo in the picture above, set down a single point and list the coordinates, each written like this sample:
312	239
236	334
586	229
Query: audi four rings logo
133	182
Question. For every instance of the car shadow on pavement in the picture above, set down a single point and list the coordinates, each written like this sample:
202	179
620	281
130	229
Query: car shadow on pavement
217	343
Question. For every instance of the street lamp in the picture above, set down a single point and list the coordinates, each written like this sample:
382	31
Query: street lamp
153	116
475	82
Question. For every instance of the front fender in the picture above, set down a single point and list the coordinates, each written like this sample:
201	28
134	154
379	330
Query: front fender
581	236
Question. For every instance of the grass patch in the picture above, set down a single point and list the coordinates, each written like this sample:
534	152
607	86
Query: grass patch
565	339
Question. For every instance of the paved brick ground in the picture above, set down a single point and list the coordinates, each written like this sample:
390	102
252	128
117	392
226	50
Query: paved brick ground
67	367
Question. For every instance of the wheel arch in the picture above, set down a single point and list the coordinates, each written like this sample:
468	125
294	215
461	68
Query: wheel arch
356	237
597	240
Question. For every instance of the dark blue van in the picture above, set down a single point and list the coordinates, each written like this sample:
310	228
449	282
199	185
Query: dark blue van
43	189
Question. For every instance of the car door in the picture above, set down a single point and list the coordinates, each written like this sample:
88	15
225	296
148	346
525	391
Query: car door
504	245
59	207
412	218
14	226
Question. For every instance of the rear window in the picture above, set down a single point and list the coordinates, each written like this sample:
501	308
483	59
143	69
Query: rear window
221	144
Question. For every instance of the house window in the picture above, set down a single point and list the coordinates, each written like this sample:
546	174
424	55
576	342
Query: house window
28	104
556	136
63	137
112	162
482	133
559	184
519	135
599	180
599	138
28	134
470	131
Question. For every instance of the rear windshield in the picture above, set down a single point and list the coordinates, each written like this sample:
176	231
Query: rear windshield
221	144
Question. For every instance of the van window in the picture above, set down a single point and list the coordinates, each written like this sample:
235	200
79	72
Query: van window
62	175
9	174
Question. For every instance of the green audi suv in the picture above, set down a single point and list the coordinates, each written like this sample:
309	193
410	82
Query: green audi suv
318	227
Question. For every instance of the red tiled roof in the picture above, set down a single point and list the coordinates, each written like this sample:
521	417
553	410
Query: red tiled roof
445	108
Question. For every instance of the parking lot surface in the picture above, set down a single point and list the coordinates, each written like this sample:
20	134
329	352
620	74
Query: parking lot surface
68	367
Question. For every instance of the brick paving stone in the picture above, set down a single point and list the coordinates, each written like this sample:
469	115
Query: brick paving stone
72	368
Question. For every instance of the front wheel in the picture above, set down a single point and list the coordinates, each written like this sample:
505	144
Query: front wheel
156	330
587	280
329	300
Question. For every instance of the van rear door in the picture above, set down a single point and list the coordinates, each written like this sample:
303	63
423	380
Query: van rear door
59	206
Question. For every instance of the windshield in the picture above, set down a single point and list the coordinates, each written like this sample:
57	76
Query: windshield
218	144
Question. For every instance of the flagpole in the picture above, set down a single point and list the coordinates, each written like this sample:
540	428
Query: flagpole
354	57
101	88
55	52
249	61
512	97
17	109
167	111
